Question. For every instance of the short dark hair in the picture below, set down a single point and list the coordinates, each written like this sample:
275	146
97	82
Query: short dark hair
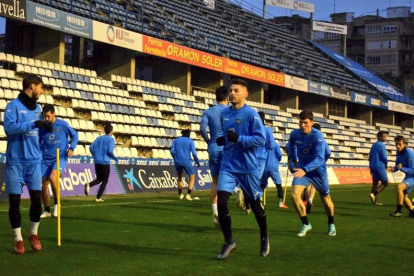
306	114
186	132
48	108
382	132
317	126
262	116
108	129
222	93
400	138
31	79
239	82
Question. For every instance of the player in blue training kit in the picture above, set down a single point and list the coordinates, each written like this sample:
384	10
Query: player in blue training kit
211	119
405	164
102	150
244	132
307	149
49	142
310	190
378	166
180	151
22	121
271	168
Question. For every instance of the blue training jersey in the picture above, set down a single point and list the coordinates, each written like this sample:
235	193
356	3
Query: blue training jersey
273	159
309	149
241	157
181	149
211	118
23	146
378	156
406	158
270	144
49	142
102	149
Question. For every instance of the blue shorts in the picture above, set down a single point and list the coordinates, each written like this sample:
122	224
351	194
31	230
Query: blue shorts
49	166
409	182
18	175
275	178
214	161
320	182
188	168
379	176
249	183
261	164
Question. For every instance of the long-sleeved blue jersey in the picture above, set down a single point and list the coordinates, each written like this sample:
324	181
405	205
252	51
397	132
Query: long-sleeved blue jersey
211	118
273	159
102	150
378	156
49	142
406	158
309	149
23	146
241	157
270	144
180	151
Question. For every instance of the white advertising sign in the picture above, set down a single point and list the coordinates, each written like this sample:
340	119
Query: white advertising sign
329	27
117	36
293	5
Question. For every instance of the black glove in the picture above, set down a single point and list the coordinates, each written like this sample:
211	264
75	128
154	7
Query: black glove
198	165
221	141
40	124
232	136
49	127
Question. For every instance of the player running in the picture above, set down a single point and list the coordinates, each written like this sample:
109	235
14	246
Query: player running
378	166
307	148
180	151
244	132
210	118
49	142
405	164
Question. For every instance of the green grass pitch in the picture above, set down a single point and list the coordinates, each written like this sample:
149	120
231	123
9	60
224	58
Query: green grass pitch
156	234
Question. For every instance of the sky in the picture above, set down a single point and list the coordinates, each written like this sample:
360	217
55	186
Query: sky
323	8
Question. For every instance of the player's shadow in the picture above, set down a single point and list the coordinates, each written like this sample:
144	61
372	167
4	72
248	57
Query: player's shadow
186	209
136	248
388	246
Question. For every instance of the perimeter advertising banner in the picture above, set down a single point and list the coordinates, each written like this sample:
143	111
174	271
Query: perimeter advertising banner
14	9
292	5
59	20
117	36
165	49
296	83
329	27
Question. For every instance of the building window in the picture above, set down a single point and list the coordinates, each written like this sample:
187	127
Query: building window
373	45
374	30
389	44
373	60
389	29
333	47
332	35
389	59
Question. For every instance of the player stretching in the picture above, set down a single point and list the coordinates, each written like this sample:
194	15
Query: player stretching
23	158
180	151
215	153
307	147
378	166
404	163
50	141
244	132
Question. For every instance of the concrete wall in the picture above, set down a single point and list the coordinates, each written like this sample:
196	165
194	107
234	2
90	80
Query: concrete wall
172	73
382	116
360	112
111	60
204	78
34	42
404	120
283	97
313	102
